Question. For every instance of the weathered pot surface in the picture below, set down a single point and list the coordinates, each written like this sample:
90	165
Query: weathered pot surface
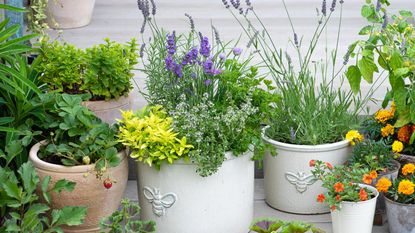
109	110
89	191
64	14
289	183
181	201
401	217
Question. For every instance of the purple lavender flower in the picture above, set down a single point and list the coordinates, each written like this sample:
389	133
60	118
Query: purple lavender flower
204	47
190	56
333	5
193	75
169	63
237	51
378	6
324	7
216	72
171	43
178	70
235	3
226	4
208	82
208	66
296	39
222	56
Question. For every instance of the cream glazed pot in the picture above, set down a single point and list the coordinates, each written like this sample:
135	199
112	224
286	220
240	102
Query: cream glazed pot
181	201
289	184
89	191
109	110
65	14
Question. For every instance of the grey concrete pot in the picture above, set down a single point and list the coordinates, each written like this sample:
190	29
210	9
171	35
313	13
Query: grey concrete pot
401	217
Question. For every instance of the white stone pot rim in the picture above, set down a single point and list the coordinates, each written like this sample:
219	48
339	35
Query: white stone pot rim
371	188
305	148
61	168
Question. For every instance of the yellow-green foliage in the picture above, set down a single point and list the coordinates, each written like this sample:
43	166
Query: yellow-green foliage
149	134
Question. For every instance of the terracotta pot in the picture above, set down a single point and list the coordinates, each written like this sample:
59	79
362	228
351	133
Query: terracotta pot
401	217
289	184
89	191
181	201
355	217
64	14
109	111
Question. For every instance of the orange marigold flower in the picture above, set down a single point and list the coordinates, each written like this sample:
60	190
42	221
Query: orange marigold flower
408	169
338	187
383	115
406	187
387	130
333	207
329	166
373	174
321	198
383	185
404	133
367	179
312	163
363	194
338	197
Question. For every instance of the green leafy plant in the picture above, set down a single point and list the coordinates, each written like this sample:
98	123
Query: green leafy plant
21	209
78	137
36	17
126	220
390	47
104	71
268	225
312	109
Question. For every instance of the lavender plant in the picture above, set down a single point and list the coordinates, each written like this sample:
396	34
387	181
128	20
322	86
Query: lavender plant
213	95
311	112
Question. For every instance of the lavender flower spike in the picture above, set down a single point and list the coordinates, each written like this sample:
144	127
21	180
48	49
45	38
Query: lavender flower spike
222	56
169	63
226	4
208	82
324	7
333	5
237	51
204	47
208	66
171	43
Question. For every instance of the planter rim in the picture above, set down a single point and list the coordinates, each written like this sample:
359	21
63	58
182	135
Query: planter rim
126	96
397	203
371	188
37	162
305	148
398	167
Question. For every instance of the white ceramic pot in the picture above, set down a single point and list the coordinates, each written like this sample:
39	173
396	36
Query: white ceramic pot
89	191
289	184
109	110
64	14
181	201
355	216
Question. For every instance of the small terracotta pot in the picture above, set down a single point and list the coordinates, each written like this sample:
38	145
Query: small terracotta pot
89	191
109	111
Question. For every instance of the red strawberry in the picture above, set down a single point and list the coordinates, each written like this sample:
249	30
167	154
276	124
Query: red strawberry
108	183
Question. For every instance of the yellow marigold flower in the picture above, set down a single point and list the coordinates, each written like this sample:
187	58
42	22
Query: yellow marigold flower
406	187
354	136
383	115
387	130
408	169
397	146
383	184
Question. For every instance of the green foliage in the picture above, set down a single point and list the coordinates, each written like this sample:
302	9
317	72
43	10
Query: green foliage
127	220
36	17
104	70
78	137
373	155
267	225
389	47
108	69
150	137
21	209
313	109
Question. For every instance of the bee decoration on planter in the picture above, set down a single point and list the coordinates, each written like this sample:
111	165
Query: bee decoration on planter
300	180
159	202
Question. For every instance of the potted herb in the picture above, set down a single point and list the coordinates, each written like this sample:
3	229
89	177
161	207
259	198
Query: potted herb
199	133
103	71
66	14
268	225
313	116
82	149
399	196
352	205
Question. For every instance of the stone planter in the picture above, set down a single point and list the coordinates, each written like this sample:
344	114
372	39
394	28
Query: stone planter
355	216
401	217
289	184
181	201
69	13
404	159
89	191
109	111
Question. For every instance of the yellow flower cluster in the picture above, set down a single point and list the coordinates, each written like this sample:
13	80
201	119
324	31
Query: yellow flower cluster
406	187
397	146
354	136
387	130
408	169
383	115
150	136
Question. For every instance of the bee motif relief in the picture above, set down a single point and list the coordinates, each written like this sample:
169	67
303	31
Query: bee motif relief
160	203
300	180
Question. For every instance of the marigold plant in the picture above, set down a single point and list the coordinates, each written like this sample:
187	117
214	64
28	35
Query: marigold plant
149	135
342	183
